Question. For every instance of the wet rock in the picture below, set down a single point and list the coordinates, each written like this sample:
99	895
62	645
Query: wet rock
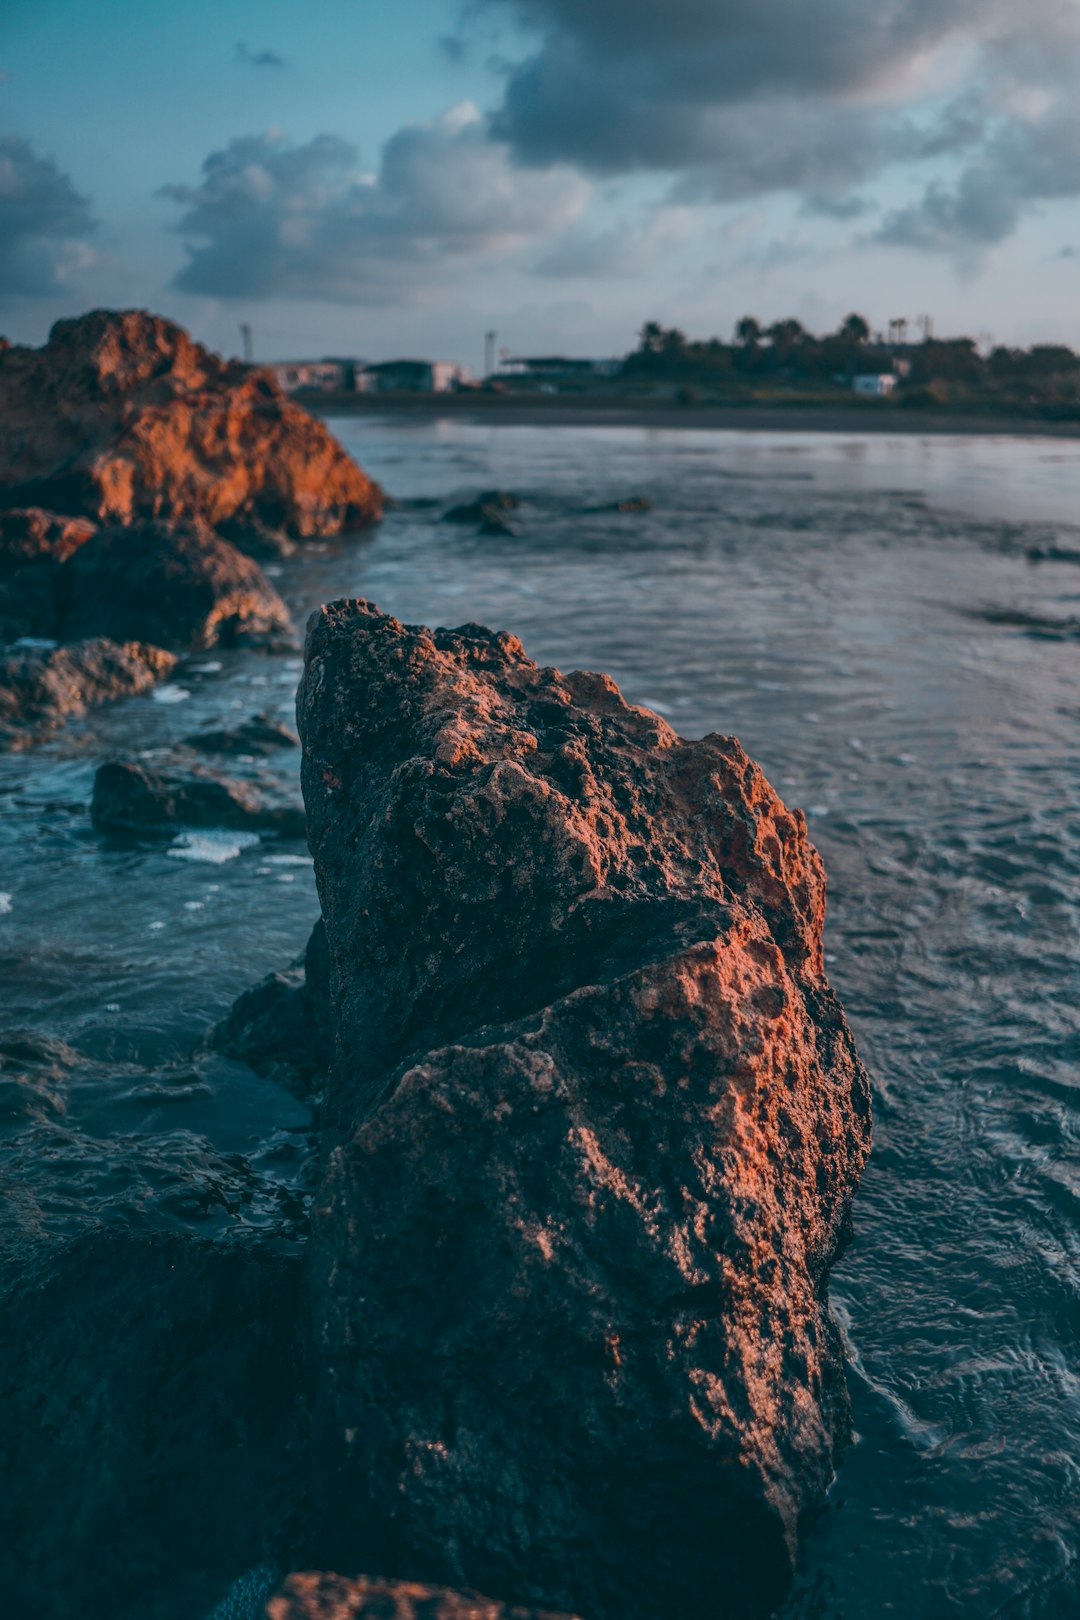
33	544
601	1123
121	417
41	686
259	735
182	588
155	1424
489	512
318	1596
633	503
33	1075
135	797
283	1027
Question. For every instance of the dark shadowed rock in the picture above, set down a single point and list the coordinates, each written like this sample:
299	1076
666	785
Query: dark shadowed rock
260	734
41	686
602	1121
178	587
33	544
490	512
134	797
33	1075
283	1027
318	1596
121	417
153	1421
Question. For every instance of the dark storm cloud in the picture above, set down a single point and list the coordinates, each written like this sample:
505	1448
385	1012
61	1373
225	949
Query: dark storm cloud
260	59
268	219
815	97
44	221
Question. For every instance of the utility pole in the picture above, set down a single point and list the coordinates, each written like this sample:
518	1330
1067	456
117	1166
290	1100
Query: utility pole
490	340
249	348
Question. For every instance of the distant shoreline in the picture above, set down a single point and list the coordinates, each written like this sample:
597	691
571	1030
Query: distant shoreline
602	411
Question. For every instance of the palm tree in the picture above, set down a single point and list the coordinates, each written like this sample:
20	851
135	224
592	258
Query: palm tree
748	332
855	329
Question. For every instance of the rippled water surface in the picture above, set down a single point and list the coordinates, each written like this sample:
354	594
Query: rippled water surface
893	628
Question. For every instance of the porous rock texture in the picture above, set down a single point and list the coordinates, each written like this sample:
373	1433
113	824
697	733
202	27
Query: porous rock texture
41	686
122	417
600	1123
182	587
318	1596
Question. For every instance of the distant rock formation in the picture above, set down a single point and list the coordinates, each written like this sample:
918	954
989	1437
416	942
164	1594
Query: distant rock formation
181	587
121	417
331	1597
600	1123
42	686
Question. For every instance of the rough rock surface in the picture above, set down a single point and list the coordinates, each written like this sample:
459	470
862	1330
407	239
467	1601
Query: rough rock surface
602	1121
135	797
178	587
490	512
318	1596
41	686
122	417
153	1419
29	535
283	1027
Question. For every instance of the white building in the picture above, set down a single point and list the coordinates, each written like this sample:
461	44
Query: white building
876	385
415	376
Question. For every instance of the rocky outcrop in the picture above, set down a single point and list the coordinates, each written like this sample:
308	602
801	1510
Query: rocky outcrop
182	588
132	796
283	1027
121	417
32	535
601	1121
317	1596
41	686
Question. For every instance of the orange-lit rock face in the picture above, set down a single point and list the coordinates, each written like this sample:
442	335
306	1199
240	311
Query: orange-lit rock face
332	1597
602	1121
122	417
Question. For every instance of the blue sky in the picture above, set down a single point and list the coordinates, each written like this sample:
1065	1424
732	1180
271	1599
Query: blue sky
372	178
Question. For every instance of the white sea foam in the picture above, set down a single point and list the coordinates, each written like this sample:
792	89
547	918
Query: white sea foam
169	692
212	845
5	904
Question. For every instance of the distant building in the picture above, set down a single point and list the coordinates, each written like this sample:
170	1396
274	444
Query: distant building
558	367
331	375
877	385
416	376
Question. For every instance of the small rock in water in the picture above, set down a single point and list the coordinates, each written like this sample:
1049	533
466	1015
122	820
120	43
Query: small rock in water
133	797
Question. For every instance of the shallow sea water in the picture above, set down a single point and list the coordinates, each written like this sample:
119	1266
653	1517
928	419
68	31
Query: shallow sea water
892	627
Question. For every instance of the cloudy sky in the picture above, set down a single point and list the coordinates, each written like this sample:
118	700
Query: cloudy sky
375	177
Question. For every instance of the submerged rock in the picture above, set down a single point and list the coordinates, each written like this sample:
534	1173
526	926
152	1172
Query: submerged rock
260	734
33	1077
283	1027
179	587
41	686
489	512
134	797
601	1124
121	417
318	1596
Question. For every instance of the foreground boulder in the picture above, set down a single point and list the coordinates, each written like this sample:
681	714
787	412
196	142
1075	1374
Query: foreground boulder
179	587
317	1596
122	417
41	686
601	1123
132	796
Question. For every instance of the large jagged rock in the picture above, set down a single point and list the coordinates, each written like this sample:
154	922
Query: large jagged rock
319	1596
179	587
601	1123
41	686
122	417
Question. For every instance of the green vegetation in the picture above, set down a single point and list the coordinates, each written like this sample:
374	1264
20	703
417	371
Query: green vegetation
785	361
